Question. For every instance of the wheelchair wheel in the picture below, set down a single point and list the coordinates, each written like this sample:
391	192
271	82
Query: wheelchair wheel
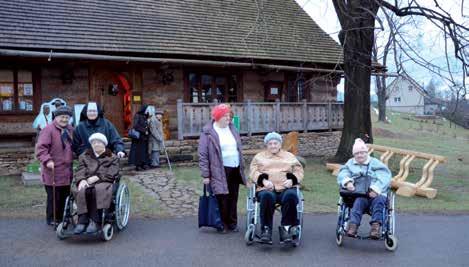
390	243
108	232
249	235
339	239
60	231
122	206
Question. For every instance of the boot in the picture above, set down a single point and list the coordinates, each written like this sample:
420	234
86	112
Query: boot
285	234
266	235
79	228
352	230
374	231
92	227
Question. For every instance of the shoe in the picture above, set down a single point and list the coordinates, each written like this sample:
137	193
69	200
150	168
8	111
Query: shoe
80	228
374	231
138	169
145	167
285	234
234	228
221	230
352	230
154	166
92	227
266	235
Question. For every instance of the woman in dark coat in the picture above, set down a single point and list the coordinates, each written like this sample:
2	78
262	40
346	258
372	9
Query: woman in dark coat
92	121
97	169
139	148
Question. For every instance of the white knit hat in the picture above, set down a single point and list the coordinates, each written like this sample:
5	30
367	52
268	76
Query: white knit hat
98	136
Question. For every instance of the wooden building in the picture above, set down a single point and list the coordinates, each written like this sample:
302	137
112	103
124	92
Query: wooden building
126	53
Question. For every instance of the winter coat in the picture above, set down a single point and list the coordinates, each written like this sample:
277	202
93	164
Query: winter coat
139	148
379	173
156	134
51	147
276	166
106	168
211	161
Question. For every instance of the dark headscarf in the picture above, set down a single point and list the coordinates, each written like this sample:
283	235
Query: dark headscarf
83	116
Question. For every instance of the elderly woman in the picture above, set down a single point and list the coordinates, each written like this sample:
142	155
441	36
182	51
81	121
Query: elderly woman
221	164
98	168
380	177
139	149
54	151
155	142
276	173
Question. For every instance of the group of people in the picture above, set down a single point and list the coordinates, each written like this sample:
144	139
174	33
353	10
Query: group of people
98	145
146	146
276	173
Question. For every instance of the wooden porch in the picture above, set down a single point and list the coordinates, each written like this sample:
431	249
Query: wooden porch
263	117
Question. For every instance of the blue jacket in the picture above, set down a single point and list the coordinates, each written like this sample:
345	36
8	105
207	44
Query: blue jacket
380	174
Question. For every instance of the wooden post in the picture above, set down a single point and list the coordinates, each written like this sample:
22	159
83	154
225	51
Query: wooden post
180	115
329	115
277	115
249	117
305	116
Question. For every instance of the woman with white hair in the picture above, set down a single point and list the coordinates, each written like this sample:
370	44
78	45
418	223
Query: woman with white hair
97	169
276	173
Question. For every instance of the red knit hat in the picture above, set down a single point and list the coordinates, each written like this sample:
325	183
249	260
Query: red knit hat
219	111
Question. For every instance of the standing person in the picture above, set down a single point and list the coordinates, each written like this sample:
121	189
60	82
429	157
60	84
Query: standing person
92	121
43	118
221	164
54	151
139	148
156	136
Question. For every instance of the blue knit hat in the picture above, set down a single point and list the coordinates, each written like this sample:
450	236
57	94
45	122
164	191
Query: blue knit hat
272	136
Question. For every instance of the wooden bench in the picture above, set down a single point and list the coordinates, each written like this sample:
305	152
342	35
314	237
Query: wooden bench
404	188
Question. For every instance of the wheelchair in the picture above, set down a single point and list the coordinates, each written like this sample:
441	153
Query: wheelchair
115	217
388	229
253	218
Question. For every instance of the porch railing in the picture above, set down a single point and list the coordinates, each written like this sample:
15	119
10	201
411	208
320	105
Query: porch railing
262	117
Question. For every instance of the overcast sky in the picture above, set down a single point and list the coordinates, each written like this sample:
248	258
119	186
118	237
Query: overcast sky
426	39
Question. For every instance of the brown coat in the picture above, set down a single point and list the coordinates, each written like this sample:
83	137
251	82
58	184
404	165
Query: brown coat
106	167
276	166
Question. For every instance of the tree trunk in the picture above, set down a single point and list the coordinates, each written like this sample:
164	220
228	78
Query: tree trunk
381	92
357	38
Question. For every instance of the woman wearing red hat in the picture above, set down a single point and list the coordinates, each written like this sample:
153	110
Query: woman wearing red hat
221	163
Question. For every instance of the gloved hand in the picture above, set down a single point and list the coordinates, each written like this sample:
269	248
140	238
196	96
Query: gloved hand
268	184
261	178
82	185
350	186
93	179
292	177
288	183
120	154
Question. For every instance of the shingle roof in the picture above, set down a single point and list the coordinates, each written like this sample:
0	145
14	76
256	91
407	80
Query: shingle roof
272	30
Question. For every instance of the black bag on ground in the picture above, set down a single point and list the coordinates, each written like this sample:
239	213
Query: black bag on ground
209	212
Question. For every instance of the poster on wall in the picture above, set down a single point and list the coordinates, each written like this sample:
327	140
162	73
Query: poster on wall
7	105
28	89
6	89
274	91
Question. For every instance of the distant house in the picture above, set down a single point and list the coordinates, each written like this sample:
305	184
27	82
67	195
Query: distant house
406	95
178	55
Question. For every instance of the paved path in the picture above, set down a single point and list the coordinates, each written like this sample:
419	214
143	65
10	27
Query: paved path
424	240
177	200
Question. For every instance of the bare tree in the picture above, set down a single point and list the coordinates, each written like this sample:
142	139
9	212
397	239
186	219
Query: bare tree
357	19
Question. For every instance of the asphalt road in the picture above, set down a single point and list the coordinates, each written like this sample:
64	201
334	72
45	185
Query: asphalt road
424	240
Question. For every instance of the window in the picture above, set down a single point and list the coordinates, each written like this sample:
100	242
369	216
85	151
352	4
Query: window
296	90
16	91
397	99
410	88
204	88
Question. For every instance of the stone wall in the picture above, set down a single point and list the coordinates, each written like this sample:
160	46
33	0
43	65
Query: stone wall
13	161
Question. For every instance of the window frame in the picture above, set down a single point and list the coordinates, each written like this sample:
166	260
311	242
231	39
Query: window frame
36	90
214	73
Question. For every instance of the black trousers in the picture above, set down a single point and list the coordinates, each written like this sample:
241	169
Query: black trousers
228	204
93	212
61	194
288	199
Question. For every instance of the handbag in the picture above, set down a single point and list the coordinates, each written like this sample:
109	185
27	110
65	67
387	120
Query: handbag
362	186
134	134
209	212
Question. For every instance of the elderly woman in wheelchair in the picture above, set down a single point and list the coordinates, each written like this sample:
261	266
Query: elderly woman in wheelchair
277	175
364	183
98	169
